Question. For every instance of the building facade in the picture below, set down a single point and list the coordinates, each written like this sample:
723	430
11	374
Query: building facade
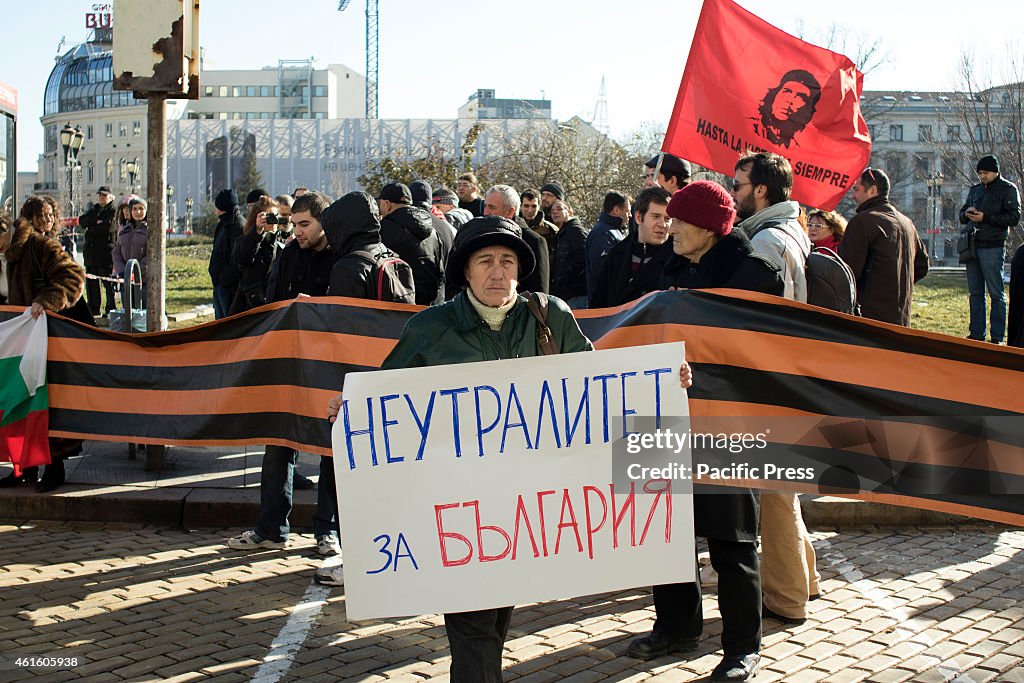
301	125
929	142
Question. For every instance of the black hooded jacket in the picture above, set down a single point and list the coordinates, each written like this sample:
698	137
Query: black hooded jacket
222	271
409	232
569	271
617	283
352	224
730	264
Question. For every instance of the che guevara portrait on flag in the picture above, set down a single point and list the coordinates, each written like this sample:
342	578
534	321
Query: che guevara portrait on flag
788	107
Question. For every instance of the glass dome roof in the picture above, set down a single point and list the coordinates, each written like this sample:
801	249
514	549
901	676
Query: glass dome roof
84	79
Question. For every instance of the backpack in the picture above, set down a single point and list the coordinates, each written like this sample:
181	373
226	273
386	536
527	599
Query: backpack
390	277
830	281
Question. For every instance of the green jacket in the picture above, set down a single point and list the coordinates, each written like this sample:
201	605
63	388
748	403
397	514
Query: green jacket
453	332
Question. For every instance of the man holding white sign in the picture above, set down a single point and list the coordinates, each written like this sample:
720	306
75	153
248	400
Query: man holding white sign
509	442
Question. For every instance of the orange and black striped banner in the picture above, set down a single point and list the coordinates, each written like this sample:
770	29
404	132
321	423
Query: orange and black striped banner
265	376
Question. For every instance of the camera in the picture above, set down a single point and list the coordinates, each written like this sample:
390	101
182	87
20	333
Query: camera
274	219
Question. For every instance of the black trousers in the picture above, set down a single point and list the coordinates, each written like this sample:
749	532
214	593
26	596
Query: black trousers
92	290
477	640
678	605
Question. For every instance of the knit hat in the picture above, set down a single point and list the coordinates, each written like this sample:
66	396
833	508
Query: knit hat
226	200
443	195
420	190
127	199
254	195
704	204
138	200
554	188
397	193
486	231
988	163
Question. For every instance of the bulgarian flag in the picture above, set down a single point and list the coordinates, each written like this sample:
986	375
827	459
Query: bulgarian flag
24	399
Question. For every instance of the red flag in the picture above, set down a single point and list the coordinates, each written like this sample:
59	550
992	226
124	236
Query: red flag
750	86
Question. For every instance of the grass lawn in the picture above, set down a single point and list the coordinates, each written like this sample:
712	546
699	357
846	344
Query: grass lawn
940	301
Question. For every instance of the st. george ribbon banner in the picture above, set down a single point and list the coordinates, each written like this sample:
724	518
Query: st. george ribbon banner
866	400
480	485
749	86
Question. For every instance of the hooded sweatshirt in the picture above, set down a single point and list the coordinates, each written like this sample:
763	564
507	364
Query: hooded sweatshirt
784	243
352	226
409	232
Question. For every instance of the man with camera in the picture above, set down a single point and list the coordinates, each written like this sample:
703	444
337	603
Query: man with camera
302	269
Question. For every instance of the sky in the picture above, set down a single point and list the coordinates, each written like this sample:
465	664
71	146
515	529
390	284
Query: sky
434	55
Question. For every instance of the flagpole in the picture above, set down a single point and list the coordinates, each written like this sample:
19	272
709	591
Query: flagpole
657	166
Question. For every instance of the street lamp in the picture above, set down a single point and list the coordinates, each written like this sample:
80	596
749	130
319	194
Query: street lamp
71	140
133	169
170	208
188	215
934	183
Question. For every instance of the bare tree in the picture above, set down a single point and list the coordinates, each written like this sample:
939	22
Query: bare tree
985	115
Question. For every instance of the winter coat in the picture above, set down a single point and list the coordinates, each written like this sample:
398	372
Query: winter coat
474	206
547	230
100	235
352	225
618	283
409	232
606	233
222	271
1000	202
132	241
454	333
776	234
730	263
569	273
254	255
64	280
540	279
887	257
444	229
300	271
457	217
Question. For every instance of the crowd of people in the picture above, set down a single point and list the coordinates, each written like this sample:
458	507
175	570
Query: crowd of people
476	258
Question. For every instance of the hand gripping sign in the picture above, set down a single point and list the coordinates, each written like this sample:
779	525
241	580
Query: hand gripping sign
465	487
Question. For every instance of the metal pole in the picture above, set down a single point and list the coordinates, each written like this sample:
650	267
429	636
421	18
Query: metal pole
156	181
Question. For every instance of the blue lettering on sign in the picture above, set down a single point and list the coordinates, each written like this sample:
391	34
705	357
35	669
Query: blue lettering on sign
392	558
513	399
658	372
480	429
582	409
603	379
455	393
388	423
626	412
424	424
350	433
548	401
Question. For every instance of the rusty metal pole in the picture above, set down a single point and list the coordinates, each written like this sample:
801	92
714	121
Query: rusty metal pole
156	248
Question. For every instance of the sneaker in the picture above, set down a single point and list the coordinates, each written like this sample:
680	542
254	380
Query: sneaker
708	576
330	575
328	545
250	540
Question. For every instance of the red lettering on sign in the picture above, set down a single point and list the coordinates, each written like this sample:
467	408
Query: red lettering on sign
562	524
442	535
475	504
591	529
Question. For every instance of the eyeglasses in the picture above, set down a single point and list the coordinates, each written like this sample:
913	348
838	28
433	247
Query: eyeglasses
736	186
815	225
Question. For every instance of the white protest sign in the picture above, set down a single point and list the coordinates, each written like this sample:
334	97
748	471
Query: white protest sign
465	487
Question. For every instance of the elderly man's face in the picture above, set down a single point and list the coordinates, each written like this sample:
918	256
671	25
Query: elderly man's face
790	99
547	199
493	275
104	198
494	205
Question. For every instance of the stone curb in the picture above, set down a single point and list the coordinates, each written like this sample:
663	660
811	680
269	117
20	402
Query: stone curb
197	507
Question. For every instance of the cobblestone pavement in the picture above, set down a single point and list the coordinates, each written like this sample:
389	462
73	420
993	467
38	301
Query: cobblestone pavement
145	603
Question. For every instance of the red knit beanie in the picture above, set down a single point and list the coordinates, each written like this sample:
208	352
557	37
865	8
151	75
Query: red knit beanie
704	204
